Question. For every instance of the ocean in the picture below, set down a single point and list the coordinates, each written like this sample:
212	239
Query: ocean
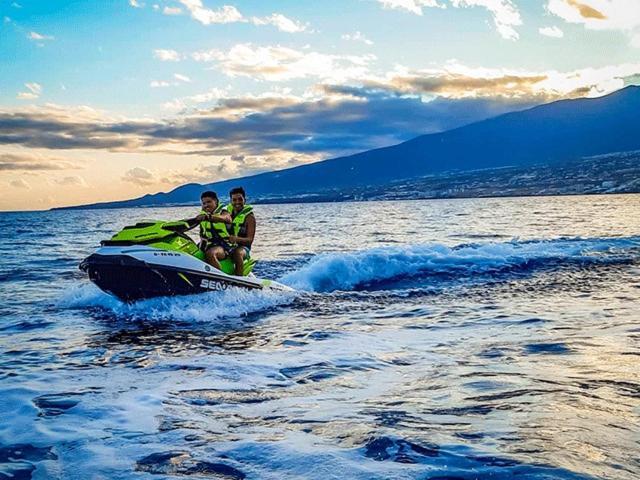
437	339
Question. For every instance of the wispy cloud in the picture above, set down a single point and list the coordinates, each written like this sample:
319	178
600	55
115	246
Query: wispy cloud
181	78
159	84
553	32
33	91
39	37
230	14
207	16
413	6
282	23
136	4
278	63
70	181
172	11
357	37
139	176
34	162
506	16
166	55
20	183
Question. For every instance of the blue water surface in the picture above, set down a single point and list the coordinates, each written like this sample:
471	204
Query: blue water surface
444	339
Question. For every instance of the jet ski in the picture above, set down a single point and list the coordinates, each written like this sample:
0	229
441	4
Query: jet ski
154	258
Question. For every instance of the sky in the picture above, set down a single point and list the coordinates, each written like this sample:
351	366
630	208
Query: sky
110	100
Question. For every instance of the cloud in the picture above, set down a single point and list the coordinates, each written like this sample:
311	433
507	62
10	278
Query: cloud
139	176
55	127
172	11
71	181
357	37
553	32
34	91
413	6
163	83
34	162
282	23
505	14
278	63
166	55
207	16
617	15
230	14
159	84
181	78
213	94
328	119
20	183
39	37
136	4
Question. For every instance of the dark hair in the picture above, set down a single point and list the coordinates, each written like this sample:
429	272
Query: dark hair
239	190
209	194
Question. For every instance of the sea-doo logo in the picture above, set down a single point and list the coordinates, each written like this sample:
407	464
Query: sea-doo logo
213	285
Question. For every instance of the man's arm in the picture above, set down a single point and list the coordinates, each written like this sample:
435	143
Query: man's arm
195	220
251	232
222	217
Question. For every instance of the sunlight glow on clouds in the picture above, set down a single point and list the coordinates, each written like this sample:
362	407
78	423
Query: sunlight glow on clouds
139	176
30	162
621	15
278	63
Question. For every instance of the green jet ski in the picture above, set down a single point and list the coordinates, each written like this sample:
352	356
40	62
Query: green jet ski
156	258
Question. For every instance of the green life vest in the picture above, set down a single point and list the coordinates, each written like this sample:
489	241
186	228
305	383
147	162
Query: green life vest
237	227
211	231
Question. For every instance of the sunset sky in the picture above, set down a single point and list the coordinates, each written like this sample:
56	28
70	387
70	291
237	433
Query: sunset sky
108	100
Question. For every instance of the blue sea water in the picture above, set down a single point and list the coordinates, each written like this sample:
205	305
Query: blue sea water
445	339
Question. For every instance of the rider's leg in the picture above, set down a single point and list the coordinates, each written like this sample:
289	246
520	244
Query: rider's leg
213	256
239	255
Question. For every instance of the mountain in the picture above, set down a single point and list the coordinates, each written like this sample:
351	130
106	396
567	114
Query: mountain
551	133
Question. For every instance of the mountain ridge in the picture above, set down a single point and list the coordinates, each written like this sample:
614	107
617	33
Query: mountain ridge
554	132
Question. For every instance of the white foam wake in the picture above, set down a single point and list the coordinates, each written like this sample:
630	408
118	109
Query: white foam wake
204	307
345	271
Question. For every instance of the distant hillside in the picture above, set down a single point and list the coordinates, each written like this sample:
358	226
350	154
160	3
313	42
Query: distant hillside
547	134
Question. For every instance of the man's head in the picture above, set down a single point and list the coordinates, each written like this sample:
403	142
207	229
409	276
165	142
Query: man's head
238	198
209	201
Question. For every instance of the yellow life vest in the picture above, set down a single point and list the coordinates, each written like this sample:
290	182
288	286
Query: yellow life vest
212	231
237	227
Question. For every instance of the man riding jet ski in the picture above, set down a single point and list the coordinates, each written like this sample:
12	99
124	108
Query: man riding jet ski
226	232
156	258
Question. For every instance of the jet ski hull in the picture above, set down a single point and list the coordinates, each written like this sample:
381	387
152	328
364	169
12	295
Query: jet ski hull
135	273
